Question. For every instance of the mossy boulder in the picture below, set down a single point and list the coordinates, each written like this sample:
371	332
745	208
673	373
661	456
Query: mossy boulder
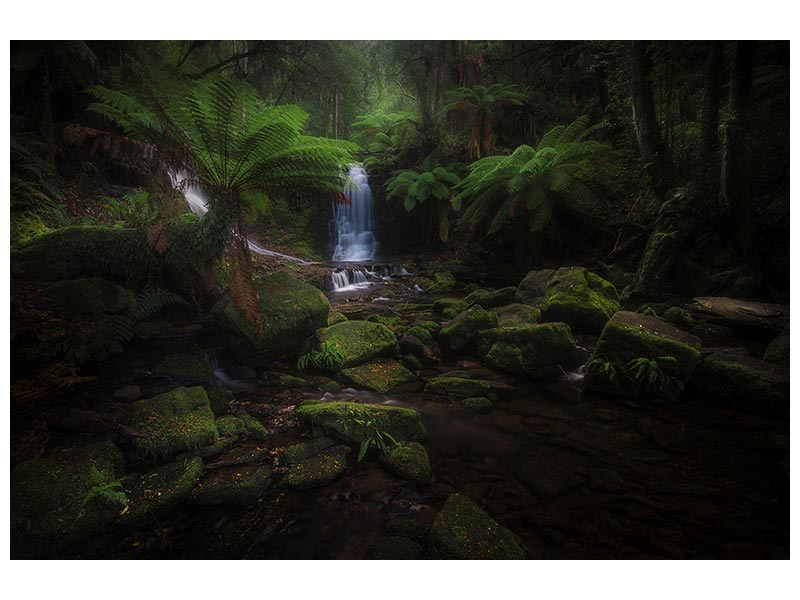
407	460
462	531
411	362
630	336
290	381
299	452
532	351
318	470
219	399
290	311
476	404
431	327
778	350
335	317
517	314
231	426
533	288
713	334
394	548
185	369
422	334
412	346
442	281
475	294
379	376
358	341
338	419
159	491
458	387
459	335
389	321
495	298
579	298
177	421
679	317
253	428
64	498
90	296
734	378
443	304
239	485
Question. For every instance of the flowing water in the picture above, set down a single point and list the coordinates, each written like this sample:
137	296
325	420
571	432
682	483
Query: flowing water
351	227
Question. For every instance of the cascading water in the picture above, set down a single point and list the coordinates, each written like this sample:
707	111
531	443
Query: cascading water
352	223
198	204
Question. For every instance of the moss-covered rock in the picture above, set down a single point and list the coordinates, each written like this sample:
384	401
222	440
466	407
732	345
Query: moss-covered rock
219	399
177	421
358	341
394	548
533	288
475	295
335	317
379	376
579	298
185	369
630	336
431	327
442	281
408	460
713	334
476	404
495	298
231	426
299	452
253	428
778	350
530	350
460	333
290	311
223	444
338	419
458	387
734	378
412	345
64	498
461	530
90	296
404	527
290	381
411	362
318	470
390	321
679	317
443	304
517	314
159	491
239	484
422	335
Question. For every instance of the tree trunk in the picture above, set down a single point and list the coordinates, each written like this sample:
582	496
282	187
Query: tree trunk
651	147
242	286
735	200
709	121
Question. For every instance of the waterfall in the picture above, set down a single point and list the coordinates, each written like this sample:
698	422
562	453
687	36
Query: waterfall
345	280
198	204
352	223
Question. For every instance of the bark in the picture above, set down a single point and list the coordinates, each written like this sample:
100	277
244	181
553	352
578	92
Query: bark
651	146
735	199
709	121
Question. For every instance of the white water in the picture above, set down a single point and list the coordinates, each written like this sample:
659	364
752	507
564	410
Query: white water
345	280
352	223
198	204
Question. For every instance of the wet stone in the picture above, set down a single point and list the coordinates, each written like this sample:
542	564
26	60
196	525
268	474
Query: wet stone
606	480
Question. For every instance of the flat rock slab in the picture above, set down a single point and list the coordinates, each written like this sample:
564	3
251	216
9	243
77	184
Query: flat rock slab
729	311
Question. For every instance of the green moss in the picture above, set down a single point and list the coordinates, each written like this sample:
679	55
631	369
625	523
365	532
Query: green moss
778	350
318	470
458	387
180	420
460	333
253	428
219	399
407	460
240	485
441	282
678	317
159	491
394	548
495	298
533	288
422	335
338	419
413	530
231	426
359	341
221	445
580	298
185	369
90	296
335	317
478	404
379	376
299	452
52	504
449	303
411	362
461	530
392	321
532	351
450	313
475	295
517	314
290	381
290	311
431	327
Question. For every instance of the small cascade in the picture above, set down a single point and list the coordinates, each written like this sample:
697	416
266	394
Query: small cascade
351	227
349	279
198	204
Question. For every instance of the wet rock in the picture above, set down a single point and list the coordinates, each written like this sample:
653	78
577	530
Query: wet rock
394	548
533	288
548	478
407	460
533	351
461	332
732	312
379	376
290	311
240	485
734	378
579	298
178	421
476	404
348	421
408	528
159	491
411	362
462	531
90	296
64	498
458	386
358	341
129	393
299	452
674	438
679	317
713	335
185	369
629	338
778	350
514	315
413	346
606	480
318	470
